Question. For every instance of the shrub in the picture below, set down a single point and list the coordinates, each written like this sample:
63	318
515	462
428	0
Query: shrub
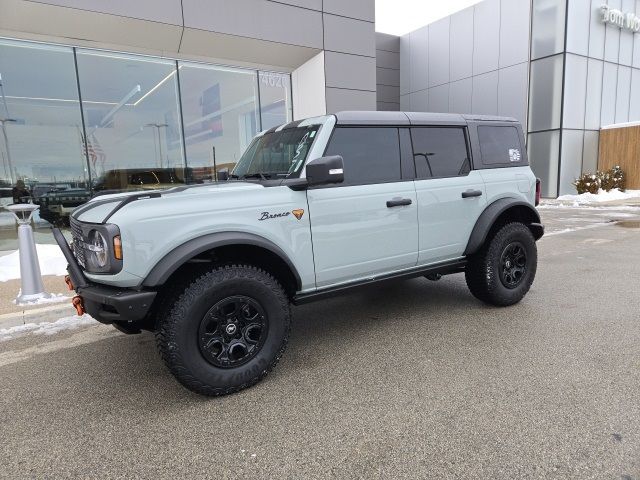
593	182
587	183
613	178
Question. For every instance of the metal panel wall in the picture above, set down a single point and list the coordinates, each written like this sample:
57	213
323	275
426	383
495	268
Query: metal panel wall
460	93
578	23
419	60
439	52
514	32
610	90
439	99
609	85
486	36
388	73
593	98
574	97
471	52
512	91
597	30
634	101
623	94
484	99
461	45
612	36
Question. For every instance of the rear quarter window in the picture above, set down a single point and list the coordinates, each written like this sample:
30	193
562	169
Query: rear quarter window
500	145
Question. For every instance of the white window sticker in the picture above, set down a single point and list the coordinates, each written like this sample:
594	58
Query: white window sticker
514	154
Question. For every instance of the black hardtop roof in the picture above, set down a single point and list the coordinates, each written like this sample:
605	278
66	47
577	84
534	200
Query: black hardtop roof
412	118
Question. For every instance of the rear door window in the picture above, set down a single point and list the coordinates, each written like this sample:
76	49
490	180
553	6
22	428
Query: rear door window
500	145
440	152
370	154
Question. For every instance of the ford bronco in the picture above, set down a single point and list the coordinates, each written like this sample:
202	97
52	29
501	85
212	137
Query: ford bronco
313	208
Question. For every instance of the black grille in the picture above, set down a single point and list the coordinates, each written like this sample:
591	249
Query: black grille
78	250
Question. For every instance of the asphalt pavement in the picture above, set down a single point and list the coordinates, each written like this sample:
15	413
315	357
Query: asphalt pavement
415	379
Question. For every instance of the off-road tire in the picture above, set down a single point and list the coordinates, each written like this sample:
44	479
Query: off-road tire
482	272
178	327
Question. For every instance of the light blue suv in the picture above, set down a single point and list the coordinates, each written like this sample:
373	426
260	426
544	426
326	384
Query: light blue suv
313	208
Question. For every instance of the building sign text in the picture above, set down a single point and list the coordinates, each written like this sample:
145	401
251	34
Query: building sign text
628	21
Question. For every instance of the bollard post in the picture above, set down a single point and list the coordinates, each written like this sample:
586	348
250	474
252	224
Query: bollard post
32	288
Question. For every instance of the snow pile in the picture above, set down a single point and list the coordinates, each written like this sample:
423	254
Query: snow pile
46	328
54	298
50	257
601	196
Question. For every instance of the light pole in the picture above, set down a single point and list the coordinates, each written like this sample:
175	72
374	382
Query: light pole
32	288
158	126
3	127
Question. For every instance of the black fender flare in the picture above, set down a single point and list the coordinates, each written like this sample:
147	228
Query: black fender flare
185	252
493	211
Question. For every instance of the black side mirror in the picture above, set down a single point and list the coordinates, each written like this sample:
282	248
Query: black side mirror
223	175
325	170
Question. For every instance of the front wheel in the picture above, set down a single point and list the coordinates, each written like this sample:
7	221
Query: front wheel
226	331
502	272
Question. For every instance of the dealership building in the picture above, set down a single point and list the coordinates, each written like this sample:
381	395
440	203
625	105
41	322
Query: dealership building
89	87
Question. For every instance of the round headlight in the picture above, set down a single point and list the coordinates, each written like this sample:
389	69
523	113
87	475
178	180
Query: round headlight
99	249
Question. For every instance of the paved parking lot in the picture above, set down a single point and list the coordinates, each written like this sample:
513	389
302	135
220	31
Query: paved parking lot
415	379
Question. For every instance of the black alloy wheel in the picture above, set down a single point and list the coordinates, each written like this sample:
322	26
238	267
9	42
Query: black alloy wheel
502	271
513	265
232	331
224	329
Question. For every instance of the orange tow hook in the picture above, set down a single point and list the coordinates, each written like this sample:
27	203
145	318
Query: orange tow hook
77	302
67	280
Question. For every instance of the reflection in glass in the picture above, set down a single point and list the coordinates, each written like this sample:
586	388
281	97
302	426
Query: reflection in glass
545	100
130	105
42	159
220	115
275	99
547	27
543	151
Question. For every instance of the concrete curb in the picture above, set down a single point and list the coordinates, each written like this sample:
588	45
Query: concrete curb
37	315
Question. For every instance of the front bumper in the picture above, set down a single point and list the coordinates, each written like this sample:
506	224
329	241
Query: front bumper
119	306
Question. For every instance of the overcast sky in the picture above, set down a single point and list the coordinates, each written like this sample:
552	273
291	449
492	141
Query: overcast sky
398	17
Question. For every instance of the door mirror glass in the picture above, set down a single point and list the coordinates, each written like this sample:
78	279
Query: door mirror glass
325	170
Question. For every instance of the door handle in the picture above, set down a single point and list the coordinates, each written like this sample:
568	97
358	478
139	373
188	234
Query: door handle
398	202
471	193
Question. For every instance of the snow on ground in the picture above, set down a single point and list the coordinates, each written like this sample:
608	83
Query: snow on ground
54	298
600	197
50	257
46	328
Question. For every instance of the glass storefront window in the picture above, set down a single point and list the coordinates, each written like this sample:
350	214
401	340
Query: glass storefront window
132	120
545	94
220	115
543	151
140	114
547	27
275	99
41	151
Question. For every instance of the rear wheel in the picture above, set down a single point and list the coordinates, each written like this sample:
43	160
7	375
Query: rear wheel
226	331
502	272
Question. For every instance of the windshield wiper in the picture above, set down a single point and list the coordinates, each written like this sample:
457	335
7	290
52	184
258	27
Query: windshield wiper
260	175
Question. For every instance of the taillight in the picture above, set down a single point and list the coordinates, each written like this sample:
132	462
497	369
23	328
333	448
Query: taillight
538	190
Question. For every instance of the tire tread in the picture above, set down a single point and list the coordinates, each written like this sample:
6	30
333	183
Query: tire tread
169	322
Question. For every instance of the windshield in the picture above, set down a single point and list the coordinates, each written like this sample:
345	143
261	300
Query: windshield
278	153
